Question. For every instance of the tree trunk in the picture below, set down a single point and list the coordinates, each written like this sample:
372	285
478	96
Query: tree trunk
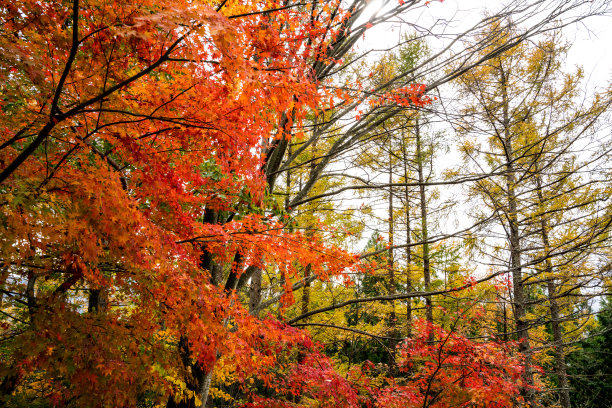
555	320
505	323
390	260
424	233
3	277
98	300
391	266
560	368
255	292
514	240
31	294
306	291
408	242
195	374
195	379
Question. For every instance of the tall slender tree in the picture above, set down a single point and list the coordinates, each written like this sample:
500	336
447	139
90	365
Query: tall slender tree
525	109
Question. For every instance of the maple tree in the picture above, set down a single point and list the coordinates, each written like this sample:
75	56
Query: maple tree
454	372
128	130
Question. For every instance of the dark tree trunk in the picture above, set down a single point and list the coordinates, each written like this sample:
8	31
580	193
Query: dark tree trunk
424	233
555	320
514	241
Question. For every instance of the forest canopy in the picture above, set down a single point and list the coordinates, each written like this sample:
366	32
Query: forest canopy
271	204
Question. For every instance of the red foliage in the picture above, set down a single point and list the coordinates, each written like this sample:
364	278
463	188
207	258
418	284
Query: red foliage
454	371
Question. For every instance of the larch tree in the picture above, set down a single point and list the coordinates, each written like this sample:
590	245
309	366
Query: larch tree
522	126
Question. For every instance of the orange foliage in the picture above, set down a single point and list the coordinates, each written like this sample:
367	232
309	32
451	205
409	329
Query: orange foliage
121	124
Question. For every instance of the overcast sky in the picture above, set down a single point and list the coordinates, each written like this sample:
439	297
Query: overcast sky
591	39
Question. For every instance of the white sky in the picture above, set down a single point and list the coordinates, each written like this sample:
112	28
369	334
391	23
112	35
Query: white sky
591	38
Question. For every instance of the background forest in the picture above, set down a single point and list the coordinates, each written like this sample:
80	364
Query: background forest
278	203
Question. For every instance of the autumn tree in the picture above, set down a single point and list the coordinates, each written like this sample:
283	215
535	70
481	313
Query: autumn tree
142	147
133	137
354	115
525	109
